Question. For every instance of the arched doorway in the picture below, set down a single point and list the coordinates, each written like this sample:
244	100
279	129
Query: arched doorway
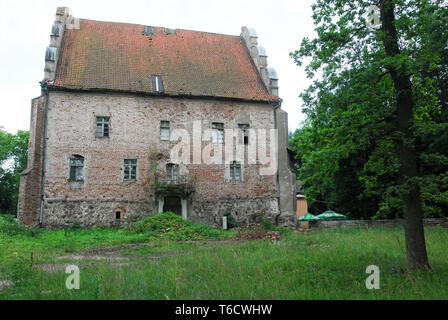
172	204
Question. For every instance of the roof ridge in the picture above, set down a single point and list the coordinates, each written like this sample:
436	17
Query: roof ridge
138	24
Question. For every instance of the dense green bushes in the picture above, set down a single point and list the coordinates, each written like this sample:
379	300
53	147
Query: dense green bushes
171	226
9	226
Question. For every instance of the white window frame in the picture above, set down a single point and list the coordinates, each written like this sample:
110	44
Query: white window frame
217	133
172	172
130	165
235	171
165	126
77	163
103	124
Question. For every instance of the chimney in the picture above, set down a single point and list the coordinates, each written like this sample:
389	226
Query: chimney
260	59
62	21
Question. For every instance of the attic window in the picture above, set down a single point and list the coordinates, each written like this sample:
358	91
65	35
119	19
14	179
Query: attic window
149	31
157	84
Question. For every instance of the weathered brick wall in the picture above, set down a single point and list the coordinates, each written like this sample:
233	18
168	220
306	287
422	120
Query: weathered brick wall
134	134
29	190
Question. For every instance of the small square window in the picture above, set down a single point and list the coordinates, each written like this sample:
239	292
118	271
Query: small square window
157	84
102	127
217	132
235	171
164	130
130	169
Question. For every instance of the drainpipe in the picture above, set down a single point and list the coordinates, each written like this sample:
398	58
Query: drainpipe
276	106
44	150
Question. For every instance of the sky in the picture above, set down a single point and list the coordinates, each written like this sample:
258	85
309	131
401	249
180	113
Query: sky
25	27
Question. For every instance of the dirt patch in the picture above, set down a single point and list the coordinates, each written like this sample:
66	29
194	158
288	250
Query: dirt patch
58	267
254	231
114	256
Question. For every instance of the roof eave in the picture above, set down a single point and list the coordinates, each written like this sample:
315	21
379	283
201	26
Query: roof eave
270	99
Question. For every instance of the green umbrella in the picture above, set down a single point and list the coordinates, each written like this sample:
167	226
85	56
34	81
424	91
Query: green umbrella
331	215
308	217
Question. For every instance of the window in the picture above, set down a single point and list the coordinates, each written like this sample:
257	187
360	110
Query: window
172	172
243	134
157	84
235	171
118	215
218	132
164	130
77	168
130	169
102	127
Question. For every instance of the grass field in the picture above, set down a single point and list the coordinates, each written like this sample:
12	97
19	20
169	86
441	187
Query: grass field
152	261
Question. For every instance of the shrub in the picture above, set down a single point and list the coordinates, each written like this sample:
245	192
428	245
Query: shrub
9	226
172	226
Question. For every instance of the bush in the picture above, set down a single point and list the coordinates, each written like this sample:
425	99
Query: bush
10	227
172	226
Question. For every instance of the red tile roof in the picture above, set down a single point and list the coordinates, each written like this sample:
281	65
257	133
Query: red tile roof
120	56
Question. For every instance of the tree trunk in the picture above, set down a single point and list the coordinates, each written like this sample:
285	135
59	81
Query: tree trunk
405	146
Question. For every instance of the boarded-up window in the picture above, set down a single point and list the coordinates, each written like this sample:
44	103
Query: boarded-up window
130	169
217	132
164	130
157	84
102	127
235	171
172	172
77	168
243	134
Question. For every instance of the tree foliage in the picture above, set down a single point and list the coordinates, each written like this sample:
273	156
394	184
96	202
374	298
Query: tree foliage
346	155
13	160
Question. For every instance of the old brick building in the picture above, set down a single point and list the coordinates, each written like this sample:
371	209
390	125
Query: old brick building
115	97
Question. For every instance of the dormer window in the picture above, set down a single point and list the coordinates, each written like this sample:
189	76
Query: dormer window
157	84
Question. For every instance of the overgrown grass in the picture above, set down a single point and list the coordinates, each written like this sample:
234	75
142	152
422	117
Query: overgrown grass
325	264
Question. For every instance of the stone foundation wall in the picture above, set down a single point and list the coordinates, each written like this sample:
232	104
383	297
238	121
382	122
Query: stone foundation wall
94	213
243	210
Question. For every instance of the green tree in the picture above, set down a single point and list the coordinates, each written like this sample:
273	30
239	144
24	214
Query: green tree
376	114
13	160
